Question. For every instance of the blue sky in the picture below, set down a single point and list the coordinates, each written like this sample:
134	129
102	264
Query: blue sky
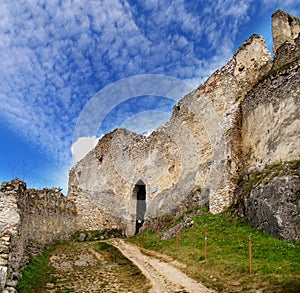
55	56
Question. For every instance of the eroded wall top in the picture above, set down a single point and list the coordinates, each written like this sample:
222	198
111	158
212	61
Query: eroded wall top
285	27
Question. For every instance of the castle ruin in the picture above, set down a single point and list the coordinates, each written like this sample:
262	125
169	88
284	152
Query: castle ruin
244	118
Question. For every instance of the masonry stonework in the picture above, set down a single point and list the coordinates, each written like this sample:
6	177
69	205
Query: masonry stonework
244	117
29	220
285	28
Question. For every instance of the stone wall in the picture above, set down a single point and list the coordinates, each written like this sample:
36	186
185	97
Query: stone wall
30	219
198	146
285	28
244	117
271	119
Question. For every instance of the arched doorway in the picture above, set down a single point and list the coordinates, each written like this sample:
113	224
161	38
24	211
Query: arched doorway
140	195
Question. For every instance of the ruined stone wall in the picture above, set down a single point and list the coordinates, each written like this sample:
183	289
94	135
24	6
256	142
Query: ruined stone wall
285	28
243	117
271	119
270	136
30	219
198	146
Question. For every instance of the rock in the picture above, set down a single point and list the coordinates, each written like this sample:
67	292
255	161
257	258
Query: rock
81	263
171	233
4	255
12	284
65	266
3	276
5	238
81	237
4	249
3	262
11	290
274	207
16	276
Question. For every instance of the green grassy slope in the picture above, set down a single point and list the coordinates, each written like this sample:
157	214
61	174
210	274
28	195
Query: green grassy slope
275	263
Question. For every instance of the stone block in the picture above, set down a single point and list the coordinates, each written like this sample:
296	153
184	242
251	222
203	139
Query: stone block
3	276
4	249
3	262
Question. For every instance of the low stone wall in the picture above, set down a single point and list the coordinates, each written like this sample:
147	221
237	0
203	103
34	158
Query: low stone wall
30	219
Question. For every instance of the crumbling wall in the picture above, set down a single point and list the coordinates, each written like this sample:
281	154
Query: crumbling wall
225	89
243	117
198	146
285	28
271	118
30	219
270	137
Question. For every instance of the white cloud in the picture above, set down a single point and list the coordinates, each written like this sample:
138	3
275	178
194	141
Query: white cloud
83	146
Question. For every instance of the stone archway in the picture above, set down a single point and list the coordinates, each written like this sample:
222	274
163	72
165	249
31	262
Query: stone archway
139	196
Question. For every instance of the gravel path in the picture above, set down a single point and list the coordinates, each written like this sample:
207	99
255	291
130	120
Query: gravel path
163	276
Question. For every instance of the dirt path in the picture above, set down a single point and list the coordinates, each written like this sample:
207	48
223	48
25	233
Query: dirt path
115	266
93	267
163	276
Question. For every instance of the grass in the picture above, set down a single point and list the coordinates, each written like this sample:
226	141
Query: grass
276	267
37	273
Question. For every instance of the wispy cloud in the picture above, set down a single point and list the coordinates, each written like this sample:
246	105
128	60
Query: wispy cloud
290	6
56	55
145	122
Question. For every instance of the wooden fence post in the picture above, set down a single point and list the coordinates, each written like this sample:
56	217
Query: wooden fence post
158	234
250	255
177	241
147	229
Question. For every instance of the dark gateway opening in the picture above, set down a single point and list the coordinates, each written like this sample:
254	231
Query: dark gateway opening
140	191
